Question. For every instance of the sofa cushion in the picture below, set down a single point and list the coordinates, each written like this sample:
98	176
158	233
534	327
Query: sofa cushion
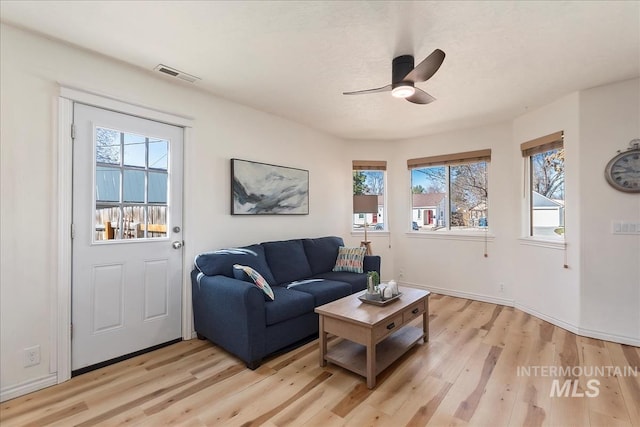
322	253
323	291
350	259
222	261
288	304
248	274
287	260
357	281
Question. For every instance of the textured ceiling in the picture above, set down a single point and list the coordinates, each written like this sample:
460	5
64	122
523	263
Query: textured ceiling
294	59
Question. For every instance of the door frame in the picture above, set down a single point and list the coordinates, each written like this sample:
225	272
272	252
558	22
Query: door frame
60	362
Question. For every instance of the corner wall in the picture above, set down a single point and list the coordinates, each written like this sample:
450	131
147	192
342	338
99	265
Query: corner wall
610	270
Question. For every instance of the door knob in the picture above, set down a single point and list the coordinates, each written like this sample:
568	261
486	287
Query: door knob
177	244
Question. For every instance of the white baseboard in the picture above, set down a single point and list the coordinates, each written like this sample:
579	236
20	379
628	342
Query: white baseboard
26	387
553	320
461	294
621	339
610	337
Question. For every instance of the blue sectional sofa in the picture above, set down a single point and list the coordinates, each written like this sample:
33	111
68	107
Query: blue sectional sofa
236	315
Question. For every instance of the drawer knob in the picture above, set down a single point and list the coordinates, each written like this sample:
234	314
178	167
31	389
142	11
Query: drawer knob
415	311
391	325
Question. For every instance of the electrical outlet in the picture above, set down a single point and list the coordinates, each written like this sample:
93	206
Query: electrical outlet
31	356
401	274
501	286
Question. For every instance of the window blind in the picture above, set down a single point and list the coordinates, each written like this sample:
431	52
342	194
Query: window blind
369	165
450	159
544	143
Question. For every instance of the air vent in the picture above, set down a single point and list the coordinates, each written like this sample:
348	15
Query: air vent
176	73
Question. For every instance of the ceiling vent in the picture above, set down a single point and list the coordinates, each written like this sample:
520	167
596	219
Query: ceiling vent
176	73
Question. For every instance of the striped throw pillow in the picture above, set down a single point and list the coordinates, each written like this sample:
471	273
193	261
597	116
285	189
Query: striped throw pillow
350	259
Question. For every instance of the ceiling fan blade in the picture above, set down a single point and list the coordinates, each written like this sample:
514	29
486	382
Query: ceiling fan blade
386	88
420	97
426	68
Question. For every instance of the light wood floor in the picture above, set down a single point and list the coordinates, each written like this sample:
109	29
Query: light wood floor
466	375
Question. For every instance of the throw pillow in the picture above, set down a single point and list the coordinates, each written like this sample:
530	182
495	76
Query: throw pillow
350	259
243	272
222	261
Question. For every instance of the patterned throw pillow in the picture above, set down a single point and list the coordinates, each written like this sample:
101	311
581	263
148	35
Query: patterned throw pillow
257	279
350	259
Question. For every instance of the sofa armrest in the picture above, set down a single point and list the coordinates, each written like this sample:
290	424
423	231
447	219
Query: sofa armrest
371	263
231	314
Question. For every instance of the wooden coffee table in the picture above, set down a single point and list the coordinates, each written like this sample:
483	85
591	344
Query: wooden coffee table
374	336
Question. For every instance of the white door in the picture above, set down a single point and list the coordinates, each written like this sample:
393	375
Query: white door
127	237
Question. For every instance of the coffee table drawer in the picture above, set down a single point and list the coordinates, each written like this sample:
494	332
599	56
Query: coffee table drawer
412	312
388	327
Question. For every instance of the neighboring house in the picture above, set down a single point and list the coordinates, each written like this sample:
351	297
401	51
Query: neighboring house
547	212
478	215
428	209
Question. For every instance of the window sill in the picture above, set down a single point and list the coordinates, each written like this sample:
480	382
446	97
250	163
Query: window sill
543	243
473	236
369	233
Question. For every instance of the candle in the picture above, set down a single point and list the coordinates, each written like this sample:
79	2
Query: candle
388	293
394	287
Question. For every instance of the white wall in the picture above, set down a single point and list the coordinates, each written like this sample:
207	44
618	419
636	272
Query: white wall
31	69
610	271
447	263
548	289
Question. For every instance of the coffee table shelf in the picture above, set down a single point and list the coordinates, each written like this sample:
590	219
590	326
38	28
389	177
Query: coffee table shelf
353	356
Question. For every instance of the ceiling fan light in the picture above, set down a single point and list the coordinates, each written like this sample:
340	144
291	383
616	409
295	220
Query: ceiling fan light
403	91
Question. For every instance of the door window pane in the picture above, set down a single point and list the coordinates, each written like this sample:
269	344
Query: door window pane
107	184
133	220
107	223
107	146
157	226
158	154
133	186
157	187
135	150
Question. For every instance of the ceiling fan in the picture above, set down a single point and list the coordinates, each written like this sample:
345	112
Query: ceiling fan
405	76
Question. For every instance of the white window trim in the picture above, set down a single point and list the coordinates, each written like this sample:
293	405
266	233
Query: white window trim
526	239
543	243
385	231
466	235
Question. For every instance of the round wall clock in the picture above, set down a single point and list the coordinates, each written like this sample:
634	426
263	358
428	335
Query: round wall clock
623	171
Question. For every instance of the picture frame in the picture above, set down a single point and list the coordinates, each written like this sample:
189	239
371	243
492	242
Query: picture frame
266	189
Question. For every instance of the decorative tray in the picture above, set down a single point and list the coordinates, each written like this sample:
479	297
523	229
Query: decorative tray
362	297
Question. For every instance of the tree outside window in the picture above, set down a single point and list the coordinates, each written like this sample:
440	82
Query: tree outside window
450	197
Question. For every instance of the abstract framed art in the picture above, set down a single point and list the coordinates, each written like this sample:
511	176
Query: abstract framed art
264	189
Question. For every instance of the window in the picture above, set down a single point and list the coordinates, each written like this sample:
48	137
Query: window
450	192
369	178
131	184
545	161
